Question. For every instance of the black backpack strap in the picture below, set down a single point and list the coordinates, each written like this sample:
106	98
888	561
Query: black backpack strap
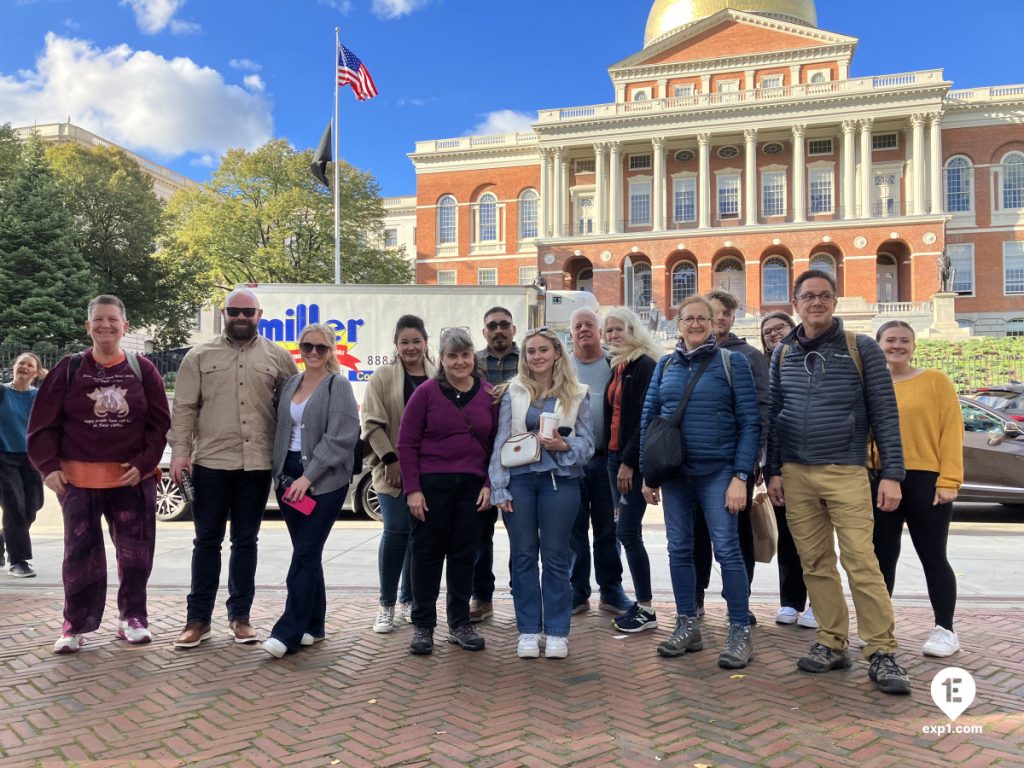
73	365
678	415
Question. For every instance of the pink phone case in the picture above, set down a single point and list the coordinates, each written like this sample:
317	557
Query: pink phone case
306	506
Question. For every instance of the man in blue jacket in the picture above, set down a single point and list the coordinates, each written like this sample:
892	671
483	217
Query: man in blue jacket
830	392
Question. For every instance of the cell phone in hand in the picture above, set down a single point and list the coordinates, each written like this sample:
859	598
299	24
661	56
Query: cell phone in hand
305	505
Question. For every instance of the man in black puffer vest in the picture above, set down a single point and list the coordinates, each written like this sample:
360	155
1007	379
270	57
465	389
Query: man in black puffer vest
830	393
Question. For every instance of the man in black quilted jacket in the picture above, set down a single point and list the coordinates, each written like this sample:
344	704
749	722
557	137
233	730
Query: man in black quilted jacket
830	393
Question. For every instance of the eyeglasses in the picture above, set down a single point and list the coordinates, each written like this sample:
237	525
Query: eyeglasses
542	331
496	324
455	328
249	312
307	348
809	298
695	319
776	330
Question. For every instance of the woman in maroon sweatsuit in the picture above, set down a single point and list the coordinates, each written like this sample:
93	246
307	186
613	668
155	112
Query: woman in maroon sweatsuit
96	434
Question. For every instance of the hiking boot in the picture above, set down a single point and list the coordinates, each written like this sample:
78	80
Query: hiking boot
68	644
636	619
739	649
807	619
422	642
889	676
385	621
786	615
133	631
466	637
193	634
941	642
529	646
821	658
21	570
556	647
480	610
685	638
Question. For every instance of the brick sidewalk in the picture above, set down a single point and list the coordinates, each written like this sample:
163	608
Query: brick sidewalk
360	699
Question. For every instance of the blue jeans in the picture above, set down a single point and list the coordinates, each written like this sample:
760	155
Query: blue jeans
223	494
679	500
305	609
629	527
541	523
393	553
597	509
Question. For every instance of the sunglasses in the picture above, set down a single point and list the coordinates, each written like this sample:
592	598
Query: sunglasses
308	348
249	312
496	324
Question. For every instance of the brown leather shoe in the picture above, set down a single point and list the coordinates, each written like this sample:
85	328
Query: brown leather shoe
193	634
479	610
242	630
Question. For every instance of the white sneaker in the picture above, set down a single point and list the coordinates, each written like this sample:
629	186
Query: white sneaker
133	631
385	621
556	648
941	642
405	613
308	639
786	615
529	646
275	647
808	620
68	644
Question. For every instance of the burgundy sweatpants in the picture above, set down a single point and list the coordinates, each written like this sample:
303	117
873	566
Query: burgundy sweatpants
131	518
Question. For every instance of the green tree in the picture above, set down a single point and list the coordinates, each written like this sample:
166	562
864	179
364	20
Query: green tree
264	218
45	284
10	152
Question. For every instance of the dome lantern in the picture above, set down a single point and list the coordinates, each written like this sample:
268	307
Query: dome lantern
667	15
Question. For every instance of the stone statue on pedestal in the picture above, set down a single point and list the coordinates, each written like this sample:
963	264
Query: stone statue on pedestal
945	273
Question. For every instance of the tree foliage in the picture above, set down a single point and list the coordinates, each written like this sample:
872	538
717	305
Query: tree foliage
10	153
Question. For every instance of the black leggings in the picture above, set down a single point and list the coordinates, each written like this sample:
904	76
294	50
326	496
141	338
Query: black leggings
929	530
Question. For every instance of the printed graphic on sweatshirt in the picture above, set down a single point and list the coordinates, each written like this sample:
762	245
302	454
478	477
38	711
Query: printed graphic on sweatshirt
109	401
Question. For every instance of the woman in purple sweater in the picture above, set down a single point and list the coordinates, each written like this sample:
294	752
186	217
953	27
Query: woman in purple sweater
444	446
96	435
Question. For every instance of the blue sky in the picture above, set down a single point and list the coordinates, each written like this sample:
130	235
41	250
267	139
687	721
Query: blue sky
181	80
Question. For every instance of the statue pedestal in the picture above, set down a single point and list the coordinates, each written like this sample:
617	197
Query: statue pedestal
944	325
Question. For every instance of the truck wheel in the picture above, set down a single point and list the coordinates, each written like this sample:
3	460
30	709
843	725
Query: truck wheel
170	504
366	499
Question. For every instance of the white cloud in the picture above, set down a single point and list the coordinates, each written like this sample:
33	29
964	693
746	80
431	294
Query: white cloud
344	6
254	83
203	161
154	16
71	24
395	9
504	121
166	107
246	65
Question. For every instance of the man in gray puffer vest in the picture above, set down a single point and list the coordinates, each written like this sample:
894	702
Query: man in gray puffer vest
830	392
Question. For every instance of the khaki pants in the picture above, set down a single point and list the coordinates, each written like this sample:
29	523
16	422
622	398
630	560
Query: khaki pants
826	498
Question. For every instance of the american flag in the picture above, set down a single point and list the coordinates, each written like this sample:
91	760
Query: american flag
351	71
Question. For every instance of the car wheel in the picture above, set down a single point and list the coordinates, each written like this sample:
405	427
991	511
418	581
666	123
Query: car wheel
367	500
170	504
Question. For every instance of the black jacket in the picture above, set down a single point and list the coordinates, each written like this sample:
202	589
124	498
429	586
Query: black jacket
635	379
758	367
822	410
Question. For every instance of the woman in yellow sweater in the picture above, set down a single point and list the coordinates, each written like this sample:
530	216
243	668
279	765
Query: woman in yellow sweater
933	437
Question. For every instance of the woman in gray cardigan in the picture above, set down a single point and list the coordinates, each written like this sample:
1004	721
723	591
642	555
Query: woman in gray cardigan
317	429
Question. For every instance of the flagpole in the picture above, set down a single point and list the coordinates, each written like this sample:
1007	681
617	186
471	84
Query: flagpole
337	218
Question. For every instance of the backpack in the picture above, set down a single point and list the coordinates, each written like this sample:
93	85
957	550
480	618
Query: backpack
76	362
851	347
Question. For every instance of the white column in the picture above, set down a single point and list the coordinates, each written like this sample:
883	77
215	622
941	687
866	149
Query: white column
600	193
917	172
799	175
658	193
849	170
614	187
704	180
545	192
750	175
557	211
563	197
866	173
935	162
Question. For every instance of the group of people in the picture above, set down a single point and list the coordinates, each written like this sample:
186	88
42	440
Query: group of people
851	439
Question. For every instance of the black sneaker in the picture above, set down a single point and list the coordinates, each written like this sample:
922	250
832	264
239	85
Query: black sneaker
636	619
889	676
422	642
22	571
739	648
466	637
821	658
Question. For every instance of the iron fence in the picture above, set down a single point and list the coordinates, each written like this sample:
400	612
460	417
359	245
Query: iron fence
166	362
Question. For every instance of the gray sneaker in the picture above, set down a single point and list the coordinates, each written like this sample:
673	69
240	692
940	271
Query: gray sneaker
685	638
739	649
466	637
821	658
889	676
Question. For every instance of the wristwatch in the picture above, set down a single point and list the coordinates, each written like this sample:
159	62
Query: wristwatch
741	476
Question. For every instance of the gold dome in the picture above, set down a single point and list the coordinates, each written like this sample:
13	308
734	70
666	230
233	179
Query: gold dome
666	15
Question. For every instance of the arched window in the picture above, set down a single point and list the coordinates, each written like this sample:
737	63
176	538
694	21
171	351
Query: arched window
488	218
528	215
825	263
637	284
959	181
684	282
1013	180
775	281
447	215
640	96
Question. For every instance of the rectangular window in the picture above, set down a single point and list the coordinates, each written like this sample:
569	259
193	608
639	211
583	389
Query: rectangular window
527	275
447	277
961	257
488	213
528	216
682	91
729	89
390	237
487	276
639	162
585	165
685	199
773	193
884	141
819	147
771	81
640	202
197	323
820	190
729	197
1013	268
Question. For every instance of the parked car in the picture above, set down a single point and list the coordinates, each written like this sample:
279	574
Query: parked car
171	505
1005	397
993	455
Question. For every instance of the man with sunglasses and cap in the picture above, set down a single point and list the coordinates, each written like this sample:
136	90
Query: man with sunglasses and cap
500	361
222	434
